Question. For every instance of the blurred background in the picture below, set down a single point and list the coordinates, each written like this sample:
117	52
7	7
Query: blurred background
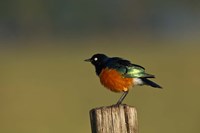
46	87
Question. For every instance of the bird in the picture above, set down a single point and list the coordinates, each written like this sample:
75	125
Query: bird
120	75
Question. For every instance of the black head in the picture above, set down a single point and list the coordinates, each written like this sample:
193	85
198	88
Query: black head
97	59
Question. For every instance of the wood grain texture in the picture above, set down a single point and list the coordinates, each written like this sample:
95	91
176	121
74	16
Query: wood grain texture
114	119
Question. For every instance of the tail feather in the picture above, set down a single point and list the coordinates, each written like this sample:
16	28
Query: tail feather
151	83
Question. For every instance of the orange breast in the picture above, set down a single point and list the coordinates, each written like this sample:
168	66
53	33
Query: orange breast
114	81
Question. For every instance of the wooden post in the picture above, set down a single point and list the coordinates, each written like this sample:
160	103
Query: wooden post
114	119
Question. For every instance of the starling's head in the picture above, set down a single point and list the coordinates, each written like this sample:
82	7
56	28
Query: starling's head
97	59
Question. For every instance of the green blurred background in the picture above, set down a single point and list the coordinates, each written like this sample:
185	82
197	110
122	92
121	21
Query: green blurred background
46	87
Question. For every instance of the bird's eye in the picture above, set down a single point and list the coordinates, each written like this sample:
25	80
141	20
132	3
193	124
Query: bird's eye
95	59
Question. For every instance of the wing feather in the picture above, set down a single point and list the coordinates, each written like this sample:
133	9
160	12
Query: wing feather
128	69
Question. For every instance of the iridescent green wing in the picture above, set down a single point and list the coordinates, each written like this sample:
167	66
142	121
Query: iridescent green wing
130	70
136	71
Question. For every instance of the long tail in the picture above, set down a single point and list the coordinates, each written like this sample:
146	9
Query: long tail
150	83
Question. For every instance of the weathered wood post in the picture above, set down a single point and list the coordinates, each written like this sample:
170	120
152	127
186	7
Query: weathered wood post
114	119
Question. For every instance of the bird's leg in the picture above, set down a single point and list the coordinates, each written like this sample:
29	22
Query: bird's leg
122	97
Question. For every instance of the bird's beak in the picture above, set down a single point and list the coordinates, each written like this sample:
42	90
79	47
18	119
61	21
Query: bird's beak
88	60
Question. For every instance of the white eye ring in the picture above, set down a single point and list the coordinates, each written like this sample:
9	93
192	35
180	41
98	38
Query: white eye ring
95	59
